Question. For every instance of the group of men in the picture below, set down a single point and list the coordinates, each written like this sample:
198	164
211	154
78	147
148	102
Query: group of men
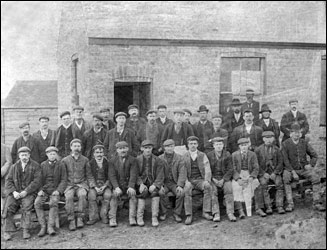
234	157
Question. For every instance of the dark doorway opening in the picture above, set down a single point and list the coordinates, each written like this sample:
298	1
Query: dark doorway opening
127	93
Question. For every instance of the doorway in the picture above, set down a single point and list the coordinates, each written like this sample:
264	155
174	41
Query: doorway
127	93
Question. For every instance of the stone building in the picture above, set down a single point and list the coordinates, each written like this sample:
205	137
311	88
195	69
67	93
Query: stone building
184	54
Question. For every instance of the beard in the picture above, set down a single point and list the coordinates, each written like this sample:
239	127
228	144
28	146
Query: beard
237	111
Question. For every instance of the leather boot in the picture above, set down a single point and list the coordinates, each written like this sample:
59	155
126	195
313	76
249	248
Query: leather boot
289	198
280	198
26	234
140	212
239	208
155	211
93	213
41	219
177	218
113	212
231	217
9	225
26	225
280	210
79	223
229	201
43	231
6	236
188	220
104	211
72	225
260	212
132	211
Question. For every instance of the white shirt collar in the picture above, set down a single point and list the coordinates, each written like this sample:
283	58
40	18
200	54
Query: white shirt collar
163	120
79	126
194	155
237	116
66	127
203	122
294	112
24	166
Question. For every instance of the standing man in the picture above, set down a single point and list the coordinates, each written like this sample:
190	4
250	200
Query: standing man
199	175
175	181
162	120
22	184
267	123
99	168
123	174
93	136
251	104
187	116
53	184
235	119
45	136
26	140
150	180
293	116
107	122
6	162
79	181
64	135
217	131
247	130
120	133
134	121
295	151
203	128
79	125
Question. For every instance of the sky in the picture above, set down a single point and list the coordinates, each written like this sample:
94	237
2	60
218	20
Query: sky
29	35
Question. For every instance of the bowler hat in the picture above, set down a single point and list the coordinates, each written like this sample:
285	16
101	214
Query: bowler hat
268	134
24	149
44	118
295	127
187	111
168	142
248	111
51	148
236	102
75	140
121	144
203	108
243	140
78	107
192	138
64	113
98	116
265	108
120	114
150	112
146	143
24	124
133	106
161	106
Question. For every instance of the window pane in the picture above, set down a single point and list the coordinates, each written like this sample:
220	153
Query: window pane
252	64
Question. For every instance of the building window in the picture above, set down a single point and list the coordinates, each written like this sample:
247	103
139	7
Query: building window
74	82
323	92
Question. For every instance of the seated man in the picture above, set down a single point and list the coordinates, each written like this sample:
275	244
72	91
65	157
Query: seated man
270	161
123	173
53	184
22	184
175	181
245	182
99	168
79	181
150	181
222	173
199	175
295	151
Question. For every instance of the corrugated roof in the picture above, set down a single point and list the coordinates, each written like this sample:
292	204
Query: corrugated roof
32	94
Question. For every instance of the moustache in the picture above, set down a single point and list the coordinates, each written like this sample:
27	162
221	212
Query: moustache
77	150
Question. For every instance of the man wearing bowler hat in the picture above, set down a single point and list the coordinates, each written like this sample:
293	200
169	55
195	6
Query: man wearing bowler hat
121	133
79	125
291	117
64	135
267	123
251	104
234	119
149	182
107	122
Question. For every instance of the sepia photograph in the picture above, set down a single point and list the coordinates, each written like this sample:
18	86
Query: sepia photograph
163	124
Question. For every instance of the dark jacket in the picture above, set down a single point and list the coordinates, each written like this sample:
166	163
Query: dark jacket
230	123
219	133
32	143
137	126
240	132
88	141
156	142
44	144
63	139
295	155
272	126
78	133
108	125
255	108
287	121
168	132
130	172
157	171
161	125
177	167
14	178
105	165
59	180
203	164
224	164
207	130
276	165
252	164
113	137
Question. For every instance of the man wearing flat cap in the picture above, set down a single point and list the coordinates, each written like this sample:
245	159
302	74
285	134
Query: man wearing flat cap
234	118
271	167
79	125
175	181
107	122
45	136
199	176
162	120
187	116
64	135
21	187
267	123
53	185
251	104
95	135
121	133
293	116
245	182
79	181
295	151
222	172
217	131
150	180
203	128
26	140
123	175
135	122
99	169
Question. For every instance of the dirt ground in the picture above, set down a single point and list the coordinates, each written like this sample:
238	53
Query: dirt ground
303	228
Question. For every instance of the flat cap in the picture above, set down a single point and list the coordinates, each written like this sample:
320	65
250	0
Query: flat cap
151	111
98	116
268	134
192	138
146	143
243	140
133	106
168	142
121	144
50	149
104	110
78	107
97	146
76	140
64	113
217	139
120	114
248	111
179	111
161	106
295	127
44	118
293	100
216	115
24	150
187	111
24	124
